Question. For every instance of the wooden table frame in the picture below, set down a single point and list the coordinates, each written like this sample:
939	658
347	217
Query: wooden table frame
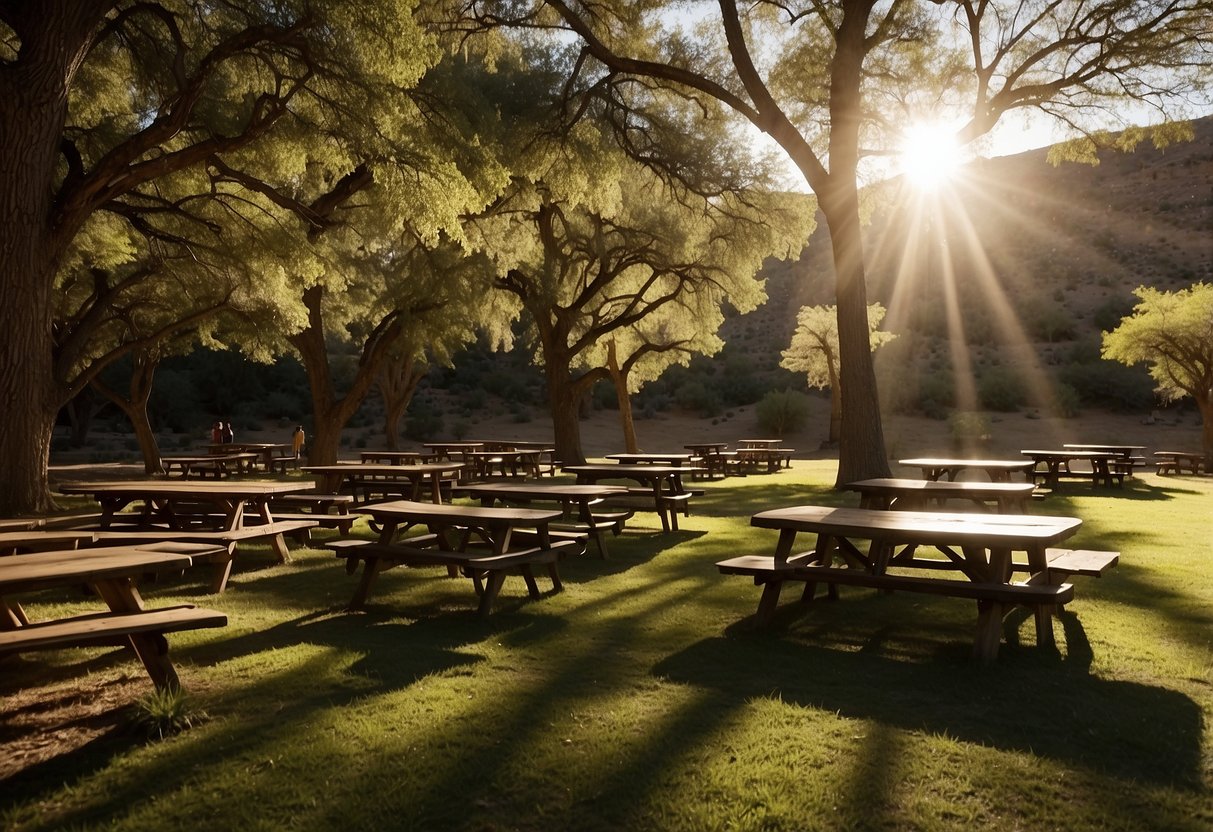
1057	465
112	572
662	483
334	477
477	540
582	498
978	546
1177	461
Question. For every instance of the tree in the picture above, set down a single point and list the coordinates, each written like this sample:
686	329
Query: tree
102	104
814	351
1173	333
593	265
831	83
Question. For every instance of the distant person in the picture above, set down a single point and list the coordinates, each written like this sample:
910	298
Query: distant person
228	436
297	440
217	433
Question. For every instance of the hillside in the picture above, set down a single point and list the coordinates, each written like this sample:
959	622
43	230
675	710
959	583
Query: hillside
1060	247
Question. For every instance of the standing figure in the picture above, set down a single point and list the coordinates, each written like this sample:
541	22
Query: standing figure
217	433
297	440
228	436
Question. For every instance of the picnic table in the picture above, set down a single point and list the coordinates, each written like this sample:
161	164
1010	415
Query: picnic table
40	539
867	543
398	457
576	500
271	455
715	457
511	463
544	459
388	480
112	572
758	443
1178	460
485	544
998	470
653	458
660	486
905	494
452	450
214	464
192	510
1051	466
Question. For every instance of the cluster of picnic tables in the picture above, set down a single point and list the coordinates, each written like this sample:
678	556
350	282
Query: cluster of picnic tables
524	522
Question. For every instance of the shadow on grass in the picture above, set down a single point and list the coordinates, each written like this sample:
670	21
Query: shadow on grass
1031	700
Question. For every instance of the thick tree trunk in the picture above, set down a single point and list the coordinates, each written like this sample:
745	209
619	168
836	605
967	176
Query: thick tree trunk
564	398
33	109
835	415
397	383
620	380
1206	433
143	374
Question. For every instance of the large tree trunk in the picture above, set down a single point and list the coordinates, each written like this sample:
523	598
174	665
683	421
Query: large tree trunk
143	374
397	382
861	449
1206	433
620	380
331	413
33	108
564	398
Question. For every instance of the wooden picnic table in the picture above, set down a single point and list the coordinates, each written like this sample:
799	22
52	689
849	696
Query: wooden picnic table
905	494
578	500
486	544
1178	460
39	540
269	454
452	450
398	457
706	448
645	458
758	443
998	470
1051	466
398	480
215	464
868	542
1125	451
195	510
112	572
660	485
512	463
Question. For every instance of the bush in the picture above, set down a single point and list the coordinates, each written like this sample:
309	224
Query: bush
1002	390
1066	401
1110	384
782	411
699	397
969	428
936	394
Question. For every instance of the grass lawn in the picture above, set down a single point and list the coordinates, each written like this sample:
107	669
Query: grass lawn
639	698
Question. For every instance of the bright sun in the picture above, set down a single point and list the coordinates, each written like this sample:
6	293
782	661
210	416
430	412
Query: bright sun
929	155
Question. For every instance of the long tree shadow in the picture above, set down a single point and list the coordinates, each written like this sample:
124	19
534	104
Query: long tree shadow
1032	700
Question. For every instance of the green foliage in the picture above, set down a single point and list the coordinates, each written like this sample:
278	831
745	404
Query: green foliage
968	426
1001	389
423	421
936	394
1109	314
814	347
1066	401
162	713
1172	332
699	397
1050	322
782	411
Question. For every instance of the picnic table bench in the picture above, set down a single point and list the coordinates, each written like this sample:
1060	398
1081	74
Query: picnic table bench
1176	461
484	544
367	482
112	572
217	466
328	511
978	546
273	456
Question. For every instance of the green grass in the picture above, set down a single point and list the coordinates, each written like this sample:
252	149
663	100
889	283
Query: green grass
639	698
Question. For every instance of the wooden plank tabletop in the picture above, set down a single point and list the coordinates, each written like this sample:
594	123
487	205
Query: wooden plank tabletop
1005	530
458	515
25	573
936	488
202	489
541	491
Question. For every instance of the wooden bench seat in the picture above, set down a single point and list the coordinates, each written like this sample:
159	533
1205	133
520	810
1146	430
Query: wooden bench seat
667	508
993	600
142	631
1086	562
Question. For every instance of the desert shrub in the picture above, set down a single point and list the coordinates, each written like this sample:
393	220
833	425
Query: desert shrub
1066	401
967	427
1110	384
699	397
1049	322
1110	313
936	394
1001	389
782	411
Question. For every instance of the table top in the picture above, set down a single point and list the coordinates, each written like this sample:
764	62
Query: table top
372	469
895	485
457	446
198	489
1013	531
1181	454
1068	454
706	446
459	515
945	462
643	457
624	469
209	457
759	443
1112	447
369	455
539	491
515	444
38	537
252	446
23	573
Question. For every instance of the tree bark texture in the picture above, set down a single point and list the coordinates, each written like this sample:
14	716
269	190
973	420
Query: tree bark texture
620	380
143	375
397	383
33	110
